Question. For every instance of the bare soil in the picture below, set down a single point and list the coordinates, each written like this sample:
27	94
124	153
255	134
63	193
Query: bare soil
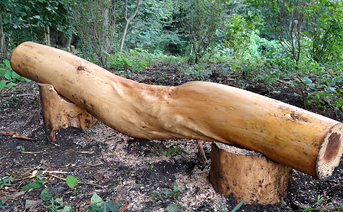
138	174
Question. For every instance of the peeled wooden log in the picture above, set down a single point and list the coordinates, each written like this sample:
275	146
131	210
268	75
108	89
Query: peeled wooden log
59	112
249	175
303	140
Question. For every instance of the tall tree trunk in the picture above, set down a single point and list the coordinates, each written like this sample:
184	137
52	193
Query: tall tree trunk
127	22
3	41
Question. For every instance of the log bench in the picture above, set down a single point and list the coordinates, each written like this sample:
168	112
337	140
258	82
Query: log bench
207	111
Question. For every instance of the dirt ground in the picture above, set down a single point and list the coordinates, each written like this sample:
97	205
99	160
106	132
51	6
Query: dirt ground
137	174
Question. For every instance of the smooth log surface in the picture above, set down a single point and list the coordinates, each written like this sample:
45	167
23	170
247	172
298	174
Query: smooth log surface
303	140
249	176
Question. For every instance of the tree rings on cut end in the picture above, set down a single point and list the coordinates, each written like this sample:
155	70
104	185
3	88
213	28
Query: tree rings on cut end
330	152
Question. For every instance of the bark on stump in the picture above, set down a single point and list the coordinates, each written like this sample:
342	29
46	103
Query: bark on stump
248	175
59	112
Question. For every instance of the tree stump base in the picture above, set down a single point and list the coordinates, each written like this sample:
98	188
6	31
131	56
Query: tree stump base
59	112
248	175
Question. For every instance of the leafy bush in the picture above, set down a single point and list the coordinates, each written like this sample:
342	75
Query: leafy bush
305	28
7	76
325	31
139	59
199	20
197	72
324	90
239	32
127	61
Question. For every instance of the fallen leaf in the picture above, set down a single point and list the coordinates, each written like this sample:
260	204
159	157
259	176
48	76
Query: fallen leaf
51	137
30	203
98	177
17	135
7	132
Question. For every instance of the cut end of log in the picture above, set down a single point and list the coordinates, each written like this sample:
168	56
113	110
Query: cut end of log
330	152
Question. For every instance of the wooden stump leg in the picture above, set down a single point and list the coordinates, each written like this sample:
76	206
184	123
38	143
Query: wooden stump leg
58	112
248	175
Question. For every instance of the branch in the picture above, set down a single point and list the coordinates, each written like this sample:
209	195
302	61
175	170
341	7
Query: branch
127	22
134	13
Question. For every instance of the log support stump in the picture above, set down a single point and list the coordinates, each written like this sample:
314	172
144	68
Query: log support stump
248	175
59	112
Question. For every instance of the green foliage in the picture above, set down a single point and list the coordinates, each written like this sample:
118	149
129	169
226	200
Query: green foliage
221	207
171	195
97	204
285	20
173	149
320	201
131	61
71	181
151	29
325	31
44	13
9	77
33	185
58	205
305	28
238	206
37	184
175	208
46	194
167	194
6	181
325	90
95	23
239	32
21	148
137	60
27	20
2	206
200	20
197	72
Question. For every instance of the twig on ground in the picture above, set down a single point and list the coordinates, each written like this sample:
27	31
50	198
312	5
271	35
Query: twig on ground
34	152
29	120
64	179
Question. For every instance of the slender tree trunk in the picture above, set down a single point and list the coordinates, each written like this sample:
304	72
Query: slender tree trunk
69	42
127	22
47	36
3	41
123	37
